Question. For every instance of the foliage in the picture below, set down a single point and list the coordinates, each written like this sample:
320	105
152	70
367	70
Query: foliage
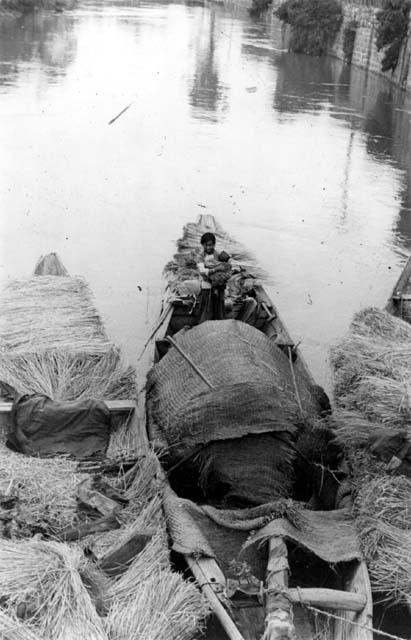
259	6
314	24
392	28
349	34
27	6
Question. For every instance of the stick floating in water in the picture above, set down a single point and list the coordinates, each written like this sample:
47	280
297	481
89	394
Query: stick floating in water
120	114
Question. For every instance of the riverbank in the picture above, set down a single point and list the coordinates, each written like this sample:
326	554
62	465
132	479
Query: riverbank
359	25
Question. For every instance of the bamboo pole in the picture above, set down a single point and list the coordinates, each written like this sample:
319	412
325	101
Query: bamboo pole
279	623
209	577
190	362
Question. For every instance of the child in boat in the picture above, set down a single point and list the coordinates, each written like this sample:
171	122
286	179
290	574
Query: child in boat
215	270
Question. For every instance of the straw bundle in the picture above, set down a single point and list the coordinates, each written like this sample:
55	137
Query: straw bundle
125	441
162	606
46	487
153	558
388	551
11	628
51	312
43	579
386	500
62	375
150	601
372	368
144	509
146	484
352	429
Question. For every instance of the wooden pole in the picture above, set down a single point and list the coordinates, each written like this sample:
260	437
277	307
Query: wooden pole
278	607
190	362
209	577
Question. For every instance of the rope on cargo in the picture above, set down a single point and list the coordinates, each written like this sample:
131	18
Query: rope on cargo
384	634
190	362
297	394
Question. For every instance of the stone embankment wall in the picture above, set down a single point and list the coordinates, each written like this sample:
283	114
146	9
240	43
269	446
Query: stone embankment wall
365	54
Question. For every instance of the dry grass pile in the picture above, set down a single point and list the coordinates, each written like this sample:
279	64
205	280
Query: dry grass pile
125	441
382	509
149	601
144	510
61	375
46	488
52	341
42	581
163	605
372	367
184	264
11	628
51	312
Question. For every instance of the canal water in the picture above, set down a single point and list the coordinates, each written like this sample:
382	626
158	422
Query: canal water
304	160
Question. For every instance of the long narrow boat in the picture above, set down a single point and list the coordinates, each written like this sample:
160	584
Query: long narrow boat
399	303
341	591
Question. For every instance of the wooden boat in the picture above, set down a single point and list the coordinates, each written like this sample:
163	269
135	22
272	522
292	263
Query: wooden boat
399	303
346	593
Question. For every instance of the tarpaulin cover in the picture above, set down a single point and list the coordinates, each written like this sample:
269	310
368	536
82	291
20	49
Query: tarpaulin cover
247	471
252	388
234	534
40	426
330	535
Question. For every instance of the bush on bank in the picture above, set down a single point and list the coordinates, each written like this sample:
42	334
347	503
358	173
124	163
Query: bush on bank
23	6
314	24
392	29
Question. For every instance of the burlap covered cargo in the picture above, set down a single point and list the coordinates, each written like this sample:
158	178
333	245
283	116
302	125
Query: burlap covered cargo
253	390
240	428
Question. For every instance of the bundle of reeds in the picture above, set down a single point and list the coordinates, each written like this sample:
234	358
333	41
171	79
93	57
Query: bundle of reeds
372	367
41	582
150	601
125	441
51	312
46	488
62	375
372	370
11	628
163	605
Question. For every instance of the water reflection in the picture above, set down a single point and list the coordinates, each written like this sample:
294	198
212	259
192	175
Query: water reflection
45	39
208	96
362	101
305	83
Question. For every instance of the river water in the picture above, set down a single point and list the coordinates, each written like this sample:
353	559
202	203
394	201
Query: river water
304	160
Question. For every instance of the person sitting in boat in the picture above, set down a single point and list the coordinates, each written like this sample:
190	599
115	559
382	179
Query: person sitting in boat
215	270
